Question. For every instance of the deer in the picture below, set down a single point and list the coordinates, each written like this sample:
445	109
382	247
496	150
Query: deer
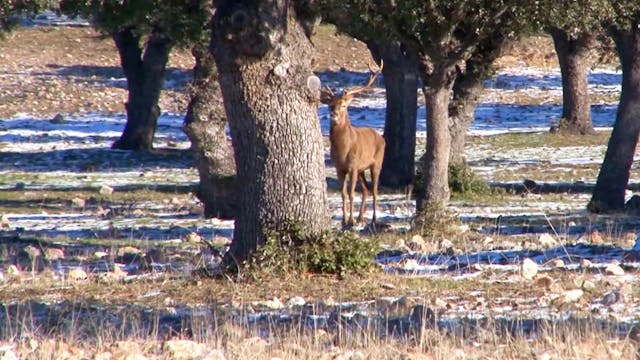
353	149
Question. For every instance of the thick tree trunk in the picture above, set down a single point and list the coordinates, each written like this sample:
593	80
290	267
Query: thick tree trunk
271	97
434	193
401	84
576	107
145	76
609	192
205	124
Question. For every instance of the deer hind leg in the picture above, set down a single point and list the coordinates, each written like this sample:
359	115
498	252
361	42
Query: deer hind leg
375	175
363	186
342	180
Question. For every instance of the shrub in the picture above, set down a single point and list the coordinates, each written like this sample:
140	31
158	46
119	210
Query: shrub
338	253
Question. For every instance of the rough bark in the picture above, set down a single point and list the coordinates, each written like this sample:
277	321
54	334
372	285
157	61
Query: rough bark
467	89
271	97
145	77
401	82
576	107
609	192
466	94
204	124
434	192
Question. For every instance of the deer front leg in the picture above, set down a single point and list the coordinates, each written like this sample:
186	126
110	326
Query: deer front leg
363	205
353	179
342	177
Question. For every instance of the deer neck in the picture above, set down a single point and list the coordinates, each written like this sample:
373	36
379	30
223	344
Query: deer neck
342	136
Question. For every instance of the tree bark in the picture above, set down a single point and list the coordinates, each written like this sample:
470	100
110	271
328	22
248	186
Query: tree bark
466	94
613	178
401	83
271	97
205	124
576	107
467	88
434	193
145	77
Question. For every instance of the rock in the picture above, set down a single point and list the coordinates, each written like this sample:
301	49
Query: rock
187	350
77	275
53	254
569	296
596	238
611	297
78	202
8	354
588	285
529	184
57	119
528	269
409	264
632	206
546	240
105	190
544	281
296	301
193	238
556	263
446	244
417	244
107	355
585	263
273	304
614	269
13	273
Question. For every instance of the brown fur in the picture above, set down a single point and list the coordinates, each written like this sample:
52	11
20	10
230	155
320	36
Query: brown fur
353	150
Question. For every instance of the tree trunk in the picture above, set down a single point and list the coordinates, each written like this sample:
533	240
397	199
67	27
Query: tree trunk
434	193
466	94
609	192
264	58
401	84
205	124
145	76
576	107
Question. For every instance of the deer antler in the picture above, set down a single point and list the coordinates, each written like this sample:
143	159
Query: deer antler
372	77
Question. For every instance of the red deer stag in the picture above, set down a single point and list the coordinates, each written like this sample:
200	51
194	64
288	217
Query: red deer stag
353	149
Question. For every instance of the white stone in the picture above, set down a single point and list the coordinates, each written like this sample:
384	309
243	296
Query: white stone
77	275
78	202
569	296
193	238
614	269
529	269
296	301
105	190
546	240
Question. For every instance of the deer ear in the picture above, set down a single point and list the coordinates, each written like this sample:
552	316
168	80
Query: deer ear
326	95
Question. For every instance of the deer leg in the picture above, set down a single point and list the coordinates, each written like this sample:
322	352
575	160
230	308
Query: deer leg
353	178
375	175
363	185
342	179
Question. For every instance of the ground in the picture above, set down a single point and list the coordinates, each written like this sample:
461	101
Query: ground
105	243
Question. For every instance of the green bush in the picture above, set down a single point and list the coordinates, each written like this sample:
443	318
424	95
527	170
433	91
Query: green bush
338	253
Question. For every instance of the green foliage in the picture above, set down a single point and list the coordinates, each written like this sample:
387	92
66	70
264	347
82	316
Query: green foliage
11	9
462	180
338	253
183	21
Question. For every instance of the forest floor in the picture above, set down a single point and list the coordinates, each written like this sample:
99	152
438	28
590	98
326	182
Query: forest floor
98	247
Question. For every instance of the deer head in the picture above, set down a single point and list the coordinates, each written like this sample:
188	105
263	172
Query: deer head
338	103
